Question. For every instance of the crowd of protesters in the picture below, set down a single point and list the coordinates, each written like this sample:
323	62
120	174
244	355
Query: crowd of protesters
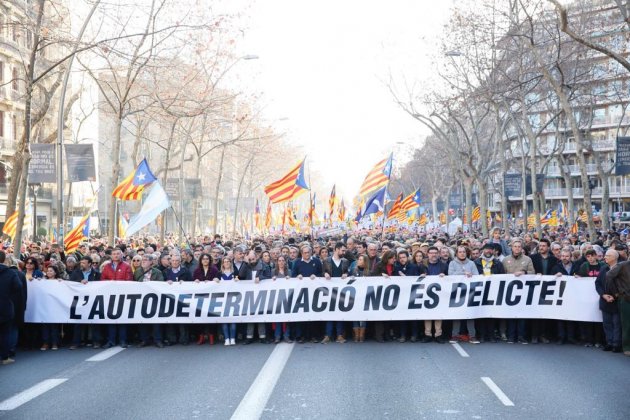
358	254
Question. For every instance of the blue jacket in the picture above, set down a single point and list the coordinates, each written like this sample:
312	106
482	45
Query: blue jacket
306	269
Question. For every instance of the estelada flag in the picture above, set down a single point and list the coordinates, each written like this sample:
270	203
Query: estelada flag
131	188
377	177
393	212
289	186
78	234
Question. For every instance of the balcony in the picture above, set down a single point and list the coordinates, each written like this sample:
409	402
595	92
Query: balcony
574	170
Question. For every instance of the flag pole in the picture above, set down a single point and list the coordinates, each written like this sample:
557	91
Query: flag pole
310	202
180	225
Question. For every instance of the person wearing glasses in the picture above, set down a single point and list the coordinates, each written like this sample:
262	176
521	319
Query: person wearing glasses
147	272
31	269
136	262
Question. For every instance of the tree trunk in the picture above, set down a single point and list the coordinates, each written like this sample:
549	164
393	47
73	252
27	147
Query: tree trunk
483	207
195	200
111	208
566	177
167	158
238	193
26	152
434	200
524	189
469	204
215	204
577	134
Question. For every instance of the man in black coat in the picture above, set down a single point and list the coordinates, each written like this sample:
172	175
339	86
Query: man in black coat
610	311
544	262
18	322
10	301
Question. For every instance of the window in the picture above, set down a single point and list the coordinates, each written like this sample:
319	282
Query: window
14	128
14	81
1	72
1	124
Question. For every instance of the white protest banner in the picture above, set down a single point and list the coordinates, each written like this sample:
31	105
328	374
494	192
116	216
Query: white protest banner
294	300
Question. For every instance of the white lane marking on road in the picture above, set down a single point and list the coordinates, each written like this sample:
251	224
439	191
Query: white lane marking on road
497	391
105	354
29	394
255	400
460	350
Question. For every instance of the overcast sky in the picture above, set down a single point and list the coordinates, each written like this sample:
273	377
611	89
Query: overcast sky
323	66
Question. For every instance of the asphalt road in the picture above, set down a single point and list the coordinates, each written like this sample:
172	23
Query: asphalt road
315	381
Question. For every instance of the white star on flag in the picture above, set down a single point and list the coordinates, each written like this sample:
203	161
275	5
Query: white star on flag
141	176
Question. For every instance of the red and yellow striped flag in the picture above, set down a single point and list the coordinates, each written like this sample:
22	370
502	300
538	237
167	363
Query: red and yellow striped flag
10	226
574	228
341	212
393	212
268	216
79	233
289	186
331	203
377	177
257	216
476	214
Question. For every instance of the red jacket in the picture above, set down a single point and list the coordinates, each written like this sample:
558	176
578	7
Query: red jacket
123	272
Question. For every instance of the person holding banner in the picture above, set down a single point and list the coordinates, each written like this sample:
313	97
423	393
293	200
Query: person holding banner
83	274
335	266
360	270
117	270
147	272
566	267
462	265
618	284
228	274
175	274
518	264
50	332
488	264
307	266
610	311
205	271
385	268
406	268
435	267
281	271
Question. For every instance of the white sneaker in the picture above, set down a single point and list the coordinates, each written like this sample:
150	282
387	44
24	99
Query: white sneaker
227	341
232	341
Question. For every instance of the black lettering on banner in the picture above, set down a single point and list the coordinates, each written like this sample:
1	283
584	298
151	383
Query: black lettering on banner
531	284
167	305
182	303
112	303
473	293
132	304
323	291
563	284
415	294
462	298
271	302
333	299
373	300
510	299
214	308
149	305
73	308
501	293
391	293
98	308
285	301
254	303
232	301
546	290
433	296
302	301
485	301
201	297
347	293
